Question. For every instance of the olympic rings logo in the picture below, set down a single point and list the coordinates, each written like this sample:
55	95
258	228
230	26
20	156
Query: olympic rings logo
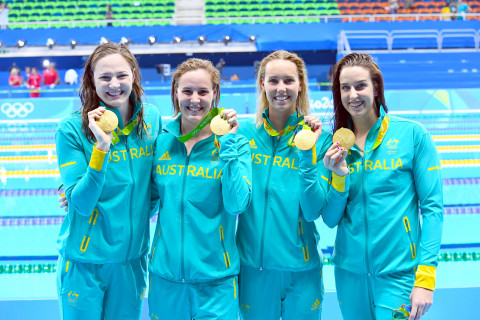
17	109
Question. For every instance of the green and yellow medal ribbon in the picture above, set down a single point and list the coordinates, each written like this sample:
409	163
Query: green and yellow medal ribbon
125	131
293	126
380	136
208	118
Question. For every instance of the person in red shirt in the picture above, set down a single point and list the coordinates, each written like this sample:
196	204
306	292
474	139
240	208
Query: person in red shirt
15	80
34	82
50	76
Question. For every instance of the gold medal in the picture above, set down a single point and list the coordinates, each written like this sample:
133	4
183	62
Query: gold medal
220	126
108	121
305	139
345	138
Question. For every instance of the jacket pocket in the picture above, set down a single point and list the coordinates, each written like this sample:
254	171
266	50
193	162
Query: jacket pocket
306	256
86	238
413	248
225	252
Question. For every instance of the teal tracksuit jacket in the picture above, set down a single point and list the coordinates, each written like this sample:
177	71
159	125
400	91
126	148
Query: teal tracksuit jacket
200	196
109	195
381	231
273	233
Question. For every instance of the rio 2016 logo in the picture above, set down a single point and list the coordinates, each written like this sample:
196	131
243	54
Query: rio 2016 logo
17	109
324	103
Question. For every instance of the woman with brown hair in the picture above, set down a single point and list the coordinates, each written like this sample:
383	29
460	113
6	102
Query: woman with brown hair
104	238
389	236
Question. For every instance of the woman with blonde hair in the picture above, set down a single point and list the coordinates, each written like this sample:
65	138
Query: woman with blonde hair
203	182
281	269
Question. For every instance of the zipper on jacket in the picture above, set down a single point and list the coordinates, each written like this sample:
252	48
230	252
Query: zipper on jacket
182	220
367	253
265	211
131	196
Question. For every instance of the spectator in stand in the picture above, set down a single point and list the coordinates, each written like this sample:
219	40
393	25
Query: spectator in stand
219	66
109	15
28	70
393	6
4	11
447	14
71	77
234	77
34	82
50	76
462	9
408	4
15	80
453	9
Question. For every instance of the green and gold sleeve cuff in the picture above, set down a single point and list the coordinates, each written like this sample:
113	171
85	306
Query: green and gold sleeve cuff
97	159
425	277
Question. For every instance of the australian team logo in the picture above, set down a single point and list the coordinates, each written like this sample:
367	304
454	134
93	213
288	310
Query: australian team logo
72	298
392	146
215	155
17	109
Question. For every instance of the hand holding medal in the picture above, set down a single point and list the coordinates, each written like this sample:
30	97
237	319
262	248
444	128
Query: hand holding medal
334	159
306	138
345	138
108	121
225	122
102	122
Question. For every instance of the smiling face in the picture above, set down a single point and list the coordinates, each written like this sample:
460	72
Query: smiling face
281	85
358	93
113	78
195	95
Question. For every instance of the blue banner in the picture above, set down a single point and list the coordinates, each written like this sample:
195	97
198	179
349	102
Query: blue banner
245	103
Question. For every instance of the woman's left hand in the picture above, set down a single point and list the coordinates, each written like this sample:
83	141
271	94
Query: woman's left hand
421	300
315	124
63	203
231	116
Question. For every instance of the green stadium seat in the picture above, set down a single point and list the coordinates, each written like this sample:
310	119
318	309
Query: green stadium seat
242	21
334	12
159	23
217	22
292	20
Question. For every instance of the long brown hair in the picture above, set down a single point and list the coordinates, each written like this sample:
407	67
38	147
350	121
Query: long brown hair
303	100
191	65
342	117
88	94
